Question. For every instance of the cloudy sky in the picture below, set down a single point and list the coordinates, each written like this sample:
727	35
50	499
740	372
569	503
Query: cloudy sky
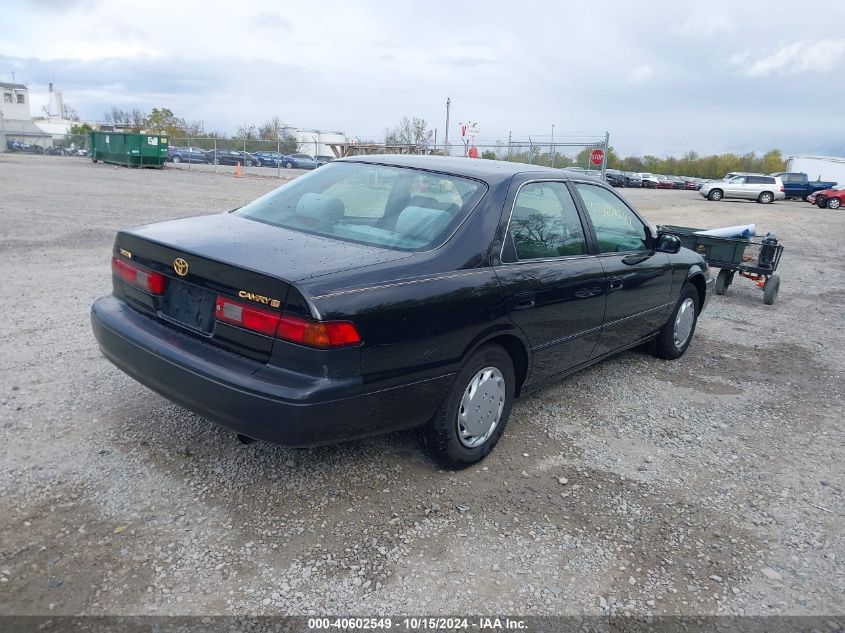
662	77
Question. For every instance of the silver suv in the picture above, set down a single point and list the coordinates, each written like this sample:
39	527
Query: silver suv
763	189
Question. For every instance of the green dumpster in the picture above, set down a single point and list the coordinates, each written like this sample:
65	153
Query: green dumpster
130	149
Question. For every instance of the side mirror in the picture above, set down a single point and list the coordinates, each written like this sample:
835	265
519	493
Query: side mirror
668	244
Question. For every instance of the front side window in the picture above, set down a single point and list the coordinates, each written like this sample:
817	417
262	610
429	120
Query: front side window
617	228
393	207
544	222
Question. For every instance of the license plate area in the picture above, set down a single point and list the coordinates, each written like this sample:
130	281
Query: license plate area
189	306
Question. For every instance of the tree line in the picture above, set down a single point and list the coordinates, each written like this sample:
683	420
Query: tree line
690	164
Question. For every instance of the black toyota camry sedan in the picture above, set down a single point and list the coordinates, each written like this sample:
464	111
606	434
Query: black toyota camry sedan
389	292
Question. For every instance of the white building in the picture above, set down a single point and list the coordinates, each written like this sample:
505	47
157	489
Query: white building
315	142
15	119
55	124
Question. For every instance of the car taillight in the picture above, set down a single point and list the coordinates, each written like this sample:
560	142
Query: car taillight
247	317
153	283
322	334
781	189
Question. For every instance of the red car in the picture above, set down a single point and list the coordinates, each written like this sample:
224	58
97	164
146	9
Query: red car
831	198
663	182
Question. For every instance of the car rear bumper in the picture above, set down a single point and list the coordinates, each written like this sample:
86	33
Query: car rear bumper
225	387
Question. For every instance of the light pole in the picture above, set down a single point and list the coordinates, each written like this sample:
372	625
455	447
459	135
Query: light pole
553	144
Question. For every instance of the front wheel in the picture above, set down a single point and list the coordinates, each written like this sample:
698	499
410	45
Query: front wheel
216	161
715	195
288	165
770	290
674	339
834	203
177	159
470	421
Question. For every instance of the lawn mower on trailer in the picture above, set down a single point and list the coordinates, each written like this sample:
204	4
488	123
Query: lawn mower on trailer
756	259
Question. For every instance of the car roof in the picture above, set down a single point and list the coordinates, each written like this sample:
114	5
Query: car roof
480	169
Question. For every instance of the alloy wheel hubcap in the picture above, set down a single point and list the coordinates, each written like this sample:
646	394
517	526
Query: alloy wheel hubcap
683	322
481	407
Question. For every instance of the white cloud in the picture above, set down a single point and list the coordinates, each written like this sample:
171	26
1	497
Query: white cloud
821	56
641	74
705	25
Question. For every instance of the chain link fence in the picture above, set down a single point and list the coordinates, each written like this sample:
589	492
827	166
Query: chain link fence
266	157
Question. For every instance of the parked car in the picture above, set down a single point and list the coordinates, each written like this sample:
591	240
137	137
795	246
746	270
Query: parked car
678	182
763	189
832	198
798	185
322	159
329	310
615	178
664	182
186	154
228	157
649	180
632	179
268	159
299	161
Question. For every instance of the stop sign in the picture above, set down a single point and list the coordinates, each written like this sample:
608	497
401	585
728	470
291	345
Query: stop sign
597	157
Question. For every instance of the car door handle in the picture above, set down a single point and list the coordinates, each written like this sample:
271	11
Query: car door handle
616	283
524	304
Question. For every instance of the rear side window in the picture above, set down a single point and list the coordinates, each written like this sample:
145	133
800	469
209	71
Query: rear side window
754	180
617	228
398	208
544	222
768	180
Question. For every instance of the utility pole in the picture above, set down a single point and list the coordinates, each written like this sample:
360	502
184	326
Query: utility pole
446	134
606	150
553	144
510	132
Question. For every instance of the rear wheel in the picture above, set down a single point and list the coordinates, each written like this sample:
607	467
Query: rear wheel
770	290
471	419
674	339
834	203
288	165
216	161
723	281
766	197
715	195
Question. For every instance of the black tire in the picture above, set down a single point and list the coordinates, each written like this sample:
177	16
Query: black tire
770	290
723	281
715	195
440	438
248	163
834	203
288	165
664	344
177	159
821	202
216	161
766	197
257	163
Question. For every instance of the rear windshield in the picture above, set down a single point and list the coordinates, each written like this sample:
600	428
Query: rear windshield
398	208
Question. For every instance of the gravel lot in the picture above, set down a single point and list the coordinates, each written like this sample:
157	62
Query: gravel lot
712	484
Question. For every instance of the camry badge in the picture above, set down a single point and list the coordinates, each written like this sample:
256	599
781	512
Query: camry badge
180	266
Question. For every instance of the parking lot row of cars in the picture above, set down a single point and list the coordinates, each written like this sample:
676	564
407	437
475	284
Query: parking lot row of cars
178	154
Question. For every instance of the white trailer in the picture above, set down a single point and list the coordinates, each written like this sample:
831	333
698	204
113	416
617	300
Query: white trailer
828	168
